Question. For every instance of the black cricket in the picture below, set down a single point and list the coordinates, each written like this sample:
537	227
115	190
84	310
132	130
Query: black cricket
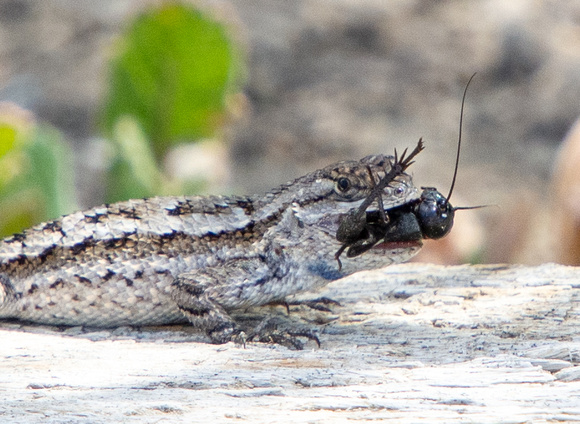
429	217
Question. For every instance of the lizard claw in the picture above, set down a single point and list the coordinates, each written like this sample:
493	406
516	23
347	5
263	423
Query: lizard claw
240	339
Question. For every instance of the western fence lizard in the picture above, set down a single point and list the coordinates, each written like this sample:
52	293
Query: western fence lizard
176	259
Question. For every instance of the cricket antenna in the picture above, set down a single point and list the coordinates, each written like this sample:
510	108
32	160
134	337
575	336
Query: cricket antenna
459	142
434	212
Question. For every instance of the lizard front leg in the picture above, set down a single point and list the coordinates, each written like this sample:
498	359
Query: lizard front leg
206	295
192	294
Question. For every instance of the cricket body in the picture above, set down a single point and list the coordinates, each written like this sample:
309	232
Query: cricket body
177	259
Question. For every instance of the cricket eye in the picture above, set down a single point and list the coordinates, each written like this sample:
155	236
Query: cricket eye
343	184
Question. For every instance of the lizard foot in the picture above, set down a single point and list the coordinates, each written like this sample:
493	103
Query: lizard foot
275	330
227	333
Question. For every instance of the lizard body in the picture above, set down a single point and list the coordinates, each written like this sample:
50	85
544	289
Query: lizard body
169	260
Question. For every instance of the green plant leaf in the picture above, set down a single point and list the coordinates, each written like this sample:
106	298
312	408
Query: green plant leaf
173	71
38	182
51	171
7	138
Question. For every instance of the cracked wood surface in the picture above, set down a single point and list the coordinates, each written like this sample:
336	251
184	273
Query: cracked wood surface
409	343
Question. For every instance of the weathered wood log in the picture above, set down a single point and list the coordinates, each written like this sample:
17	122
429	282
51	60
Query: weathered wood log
409	343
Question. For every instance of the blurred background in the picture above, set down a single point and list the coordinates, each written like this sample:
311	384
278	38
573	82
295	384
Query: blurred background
102	101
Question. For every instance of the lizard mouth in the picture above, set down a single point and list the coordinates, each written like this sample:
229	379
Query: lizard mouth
392	245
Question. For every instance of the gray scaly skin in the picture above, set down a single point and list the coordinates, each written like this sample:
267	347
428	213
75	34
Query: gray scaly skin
171	260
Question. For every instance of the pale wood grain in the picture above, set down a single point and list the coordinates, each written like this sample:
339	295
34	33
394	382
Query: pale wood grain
410	343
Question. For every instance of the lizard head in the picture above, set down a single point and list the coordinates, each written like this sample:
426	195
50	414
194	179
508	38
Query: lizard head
338	191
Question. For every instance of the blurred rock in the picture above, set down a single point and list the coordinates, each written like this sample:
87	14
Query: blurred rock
206	162
565	208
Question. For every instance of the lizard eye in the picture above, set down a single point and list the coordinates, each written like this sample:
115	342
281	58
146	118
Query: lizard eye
343	184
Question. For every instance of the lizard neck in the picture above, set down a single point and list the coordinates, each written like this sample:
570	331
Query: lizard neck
303	192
